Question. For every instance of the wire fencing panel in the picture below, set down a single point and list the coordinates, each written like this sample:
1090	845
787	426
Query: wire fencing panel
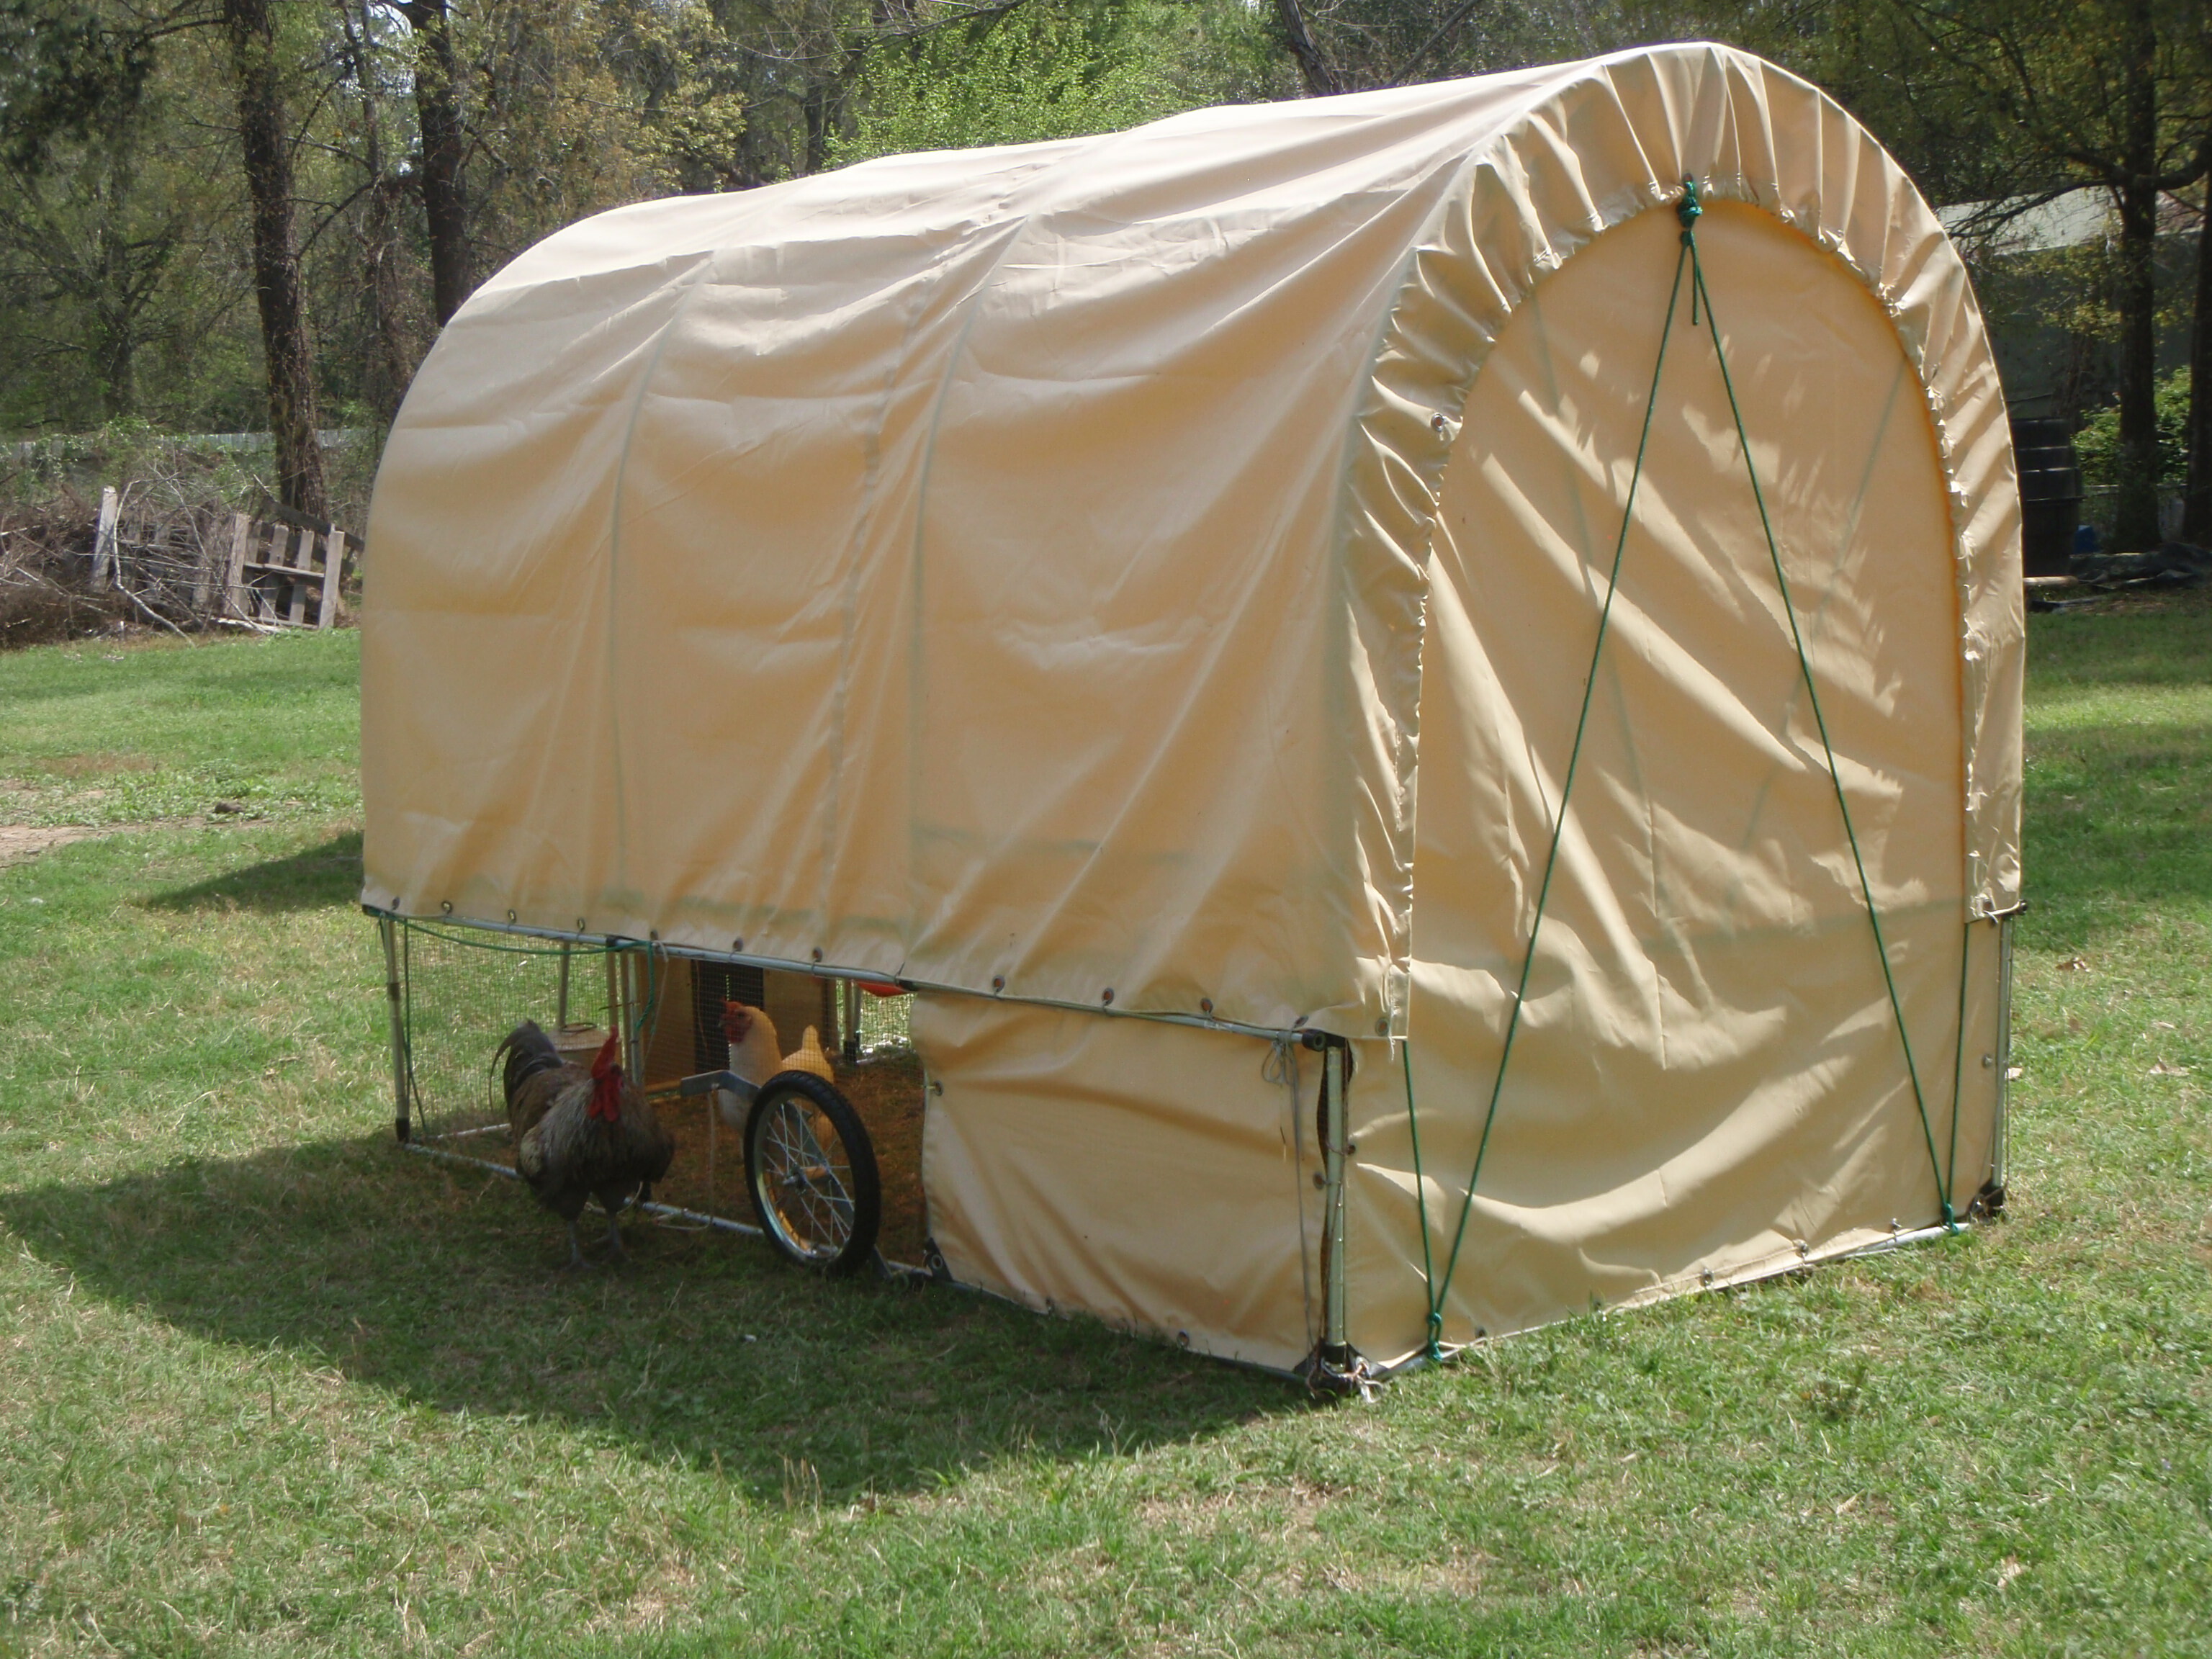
463	989
462	995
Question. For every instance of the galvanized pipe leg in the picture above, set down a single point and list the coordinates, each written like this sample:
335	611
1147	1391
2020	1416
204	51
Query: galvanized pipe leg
389	928
1334	1365
2002	1134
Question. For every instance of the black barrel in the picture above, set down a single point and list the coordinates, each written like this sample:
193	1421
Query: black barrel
2050	494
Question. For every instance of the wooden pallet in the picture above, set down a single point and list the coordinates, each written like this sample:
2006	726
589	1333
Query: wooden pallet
276	570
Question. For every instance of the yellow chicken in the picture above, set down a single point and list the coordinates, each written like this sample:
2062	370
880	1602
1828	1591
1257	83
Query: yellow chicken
810	1058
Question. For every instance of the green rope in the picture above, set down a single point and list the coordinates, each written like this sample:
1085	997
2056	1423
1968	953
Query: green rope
1688	210
1438	1289
1812	696
1421	1201
652	1004
461	934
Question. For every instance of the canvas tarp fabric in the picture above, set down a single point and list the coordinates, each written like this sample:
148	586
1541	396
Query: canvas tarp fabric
1708	1077
1034	573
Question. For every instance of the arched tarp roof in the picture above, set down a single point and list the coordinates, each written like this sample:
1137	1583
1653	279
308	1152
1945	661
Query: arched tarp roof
1007	568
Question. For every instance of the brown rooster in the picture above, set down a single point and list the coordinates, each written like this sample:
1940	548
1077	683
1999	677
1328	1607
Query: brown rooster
580	1134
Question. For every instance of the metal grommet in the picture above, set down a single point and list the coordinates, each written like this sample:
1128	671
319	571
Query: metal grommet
510	915
998	982
1382	1027
818	953
1106	998
1439	425
446	906
653	934
580	924
735	943
1706	1277
1206	1004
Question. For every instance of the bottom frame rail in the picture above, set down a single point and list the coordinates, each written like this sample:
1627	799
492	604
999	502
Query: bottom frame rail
669	1211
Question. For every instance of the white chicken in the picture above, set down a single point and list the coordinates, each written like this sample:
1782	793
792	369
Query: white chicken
756	1055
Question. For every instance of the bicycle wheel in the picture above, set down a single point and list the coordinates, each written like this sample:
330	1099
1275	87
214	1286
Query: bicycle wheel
811	1171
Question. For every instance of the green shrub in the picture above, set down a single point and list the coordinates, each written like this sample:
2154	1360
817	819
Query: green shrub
2098	442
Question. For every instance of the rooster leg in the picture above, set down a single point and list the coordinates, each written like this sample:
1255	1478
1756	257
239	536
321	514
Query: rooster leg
614	1236
575	1249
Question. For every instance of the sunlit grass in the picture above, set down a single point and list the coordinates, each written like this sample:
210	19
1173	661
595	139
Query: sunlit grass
267	1386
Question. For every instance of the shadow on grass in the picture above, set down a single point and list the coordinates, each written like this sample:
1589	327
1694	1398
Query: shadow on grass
306	880
439	1284
2161	641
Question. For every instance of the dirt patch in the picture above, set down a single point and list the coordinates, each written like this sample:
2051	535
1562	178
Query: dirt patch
19	842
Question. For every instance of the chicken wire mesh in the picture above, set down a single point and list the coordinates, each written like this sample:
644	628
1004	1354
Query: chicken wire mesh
463	989
461	993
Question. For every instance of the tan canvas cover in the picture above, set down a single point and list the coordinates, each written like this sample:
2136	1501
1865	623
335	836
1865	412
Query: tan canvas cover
1157	572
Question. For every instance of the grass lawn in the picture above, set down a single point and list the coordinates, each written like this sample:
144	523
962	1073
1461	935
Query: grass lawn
268	1387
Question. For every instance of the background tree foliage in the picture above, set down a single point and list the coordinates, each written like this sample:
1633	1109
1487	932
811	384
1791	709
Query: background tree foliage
165	163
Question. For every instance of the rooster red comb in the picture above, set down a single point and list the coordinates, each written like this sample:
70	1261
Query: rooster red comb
607	1091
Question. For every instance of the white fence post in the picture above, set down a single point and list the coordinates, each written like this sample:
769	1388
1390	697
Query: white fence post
103	541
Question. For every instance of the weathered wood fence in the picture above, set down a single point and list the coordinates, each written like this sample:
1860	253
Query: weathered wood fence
190	567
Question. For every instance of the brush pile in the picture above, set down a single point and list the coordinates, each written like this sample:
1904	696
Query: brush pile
45	566
153	553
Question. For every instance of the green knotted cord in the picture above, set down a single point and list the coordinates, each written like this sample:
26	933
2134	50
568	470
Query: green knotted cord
1819	720
1438	1288
1688	210
1421	1203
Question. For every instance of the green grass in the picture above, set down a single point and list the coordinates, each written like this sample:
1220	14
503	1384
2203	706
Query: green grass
268	1387
106	734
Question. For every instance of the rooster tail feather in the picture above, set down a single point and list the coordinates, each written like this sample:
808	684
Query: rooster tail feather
528	1051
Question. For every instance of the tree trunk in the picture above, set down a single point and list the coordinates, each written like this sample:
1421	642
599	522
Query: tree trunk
1321	80
276	286
815	109
385	265
438	109
2135	520
392	363
2197	513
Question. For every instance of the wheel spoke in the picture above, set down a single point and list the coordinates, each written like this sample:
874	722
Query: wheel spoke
807	1182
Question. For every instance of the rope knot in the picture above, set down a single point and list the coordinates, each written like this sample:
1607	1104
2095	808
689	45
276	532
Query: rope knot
1688	209
1436	1333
